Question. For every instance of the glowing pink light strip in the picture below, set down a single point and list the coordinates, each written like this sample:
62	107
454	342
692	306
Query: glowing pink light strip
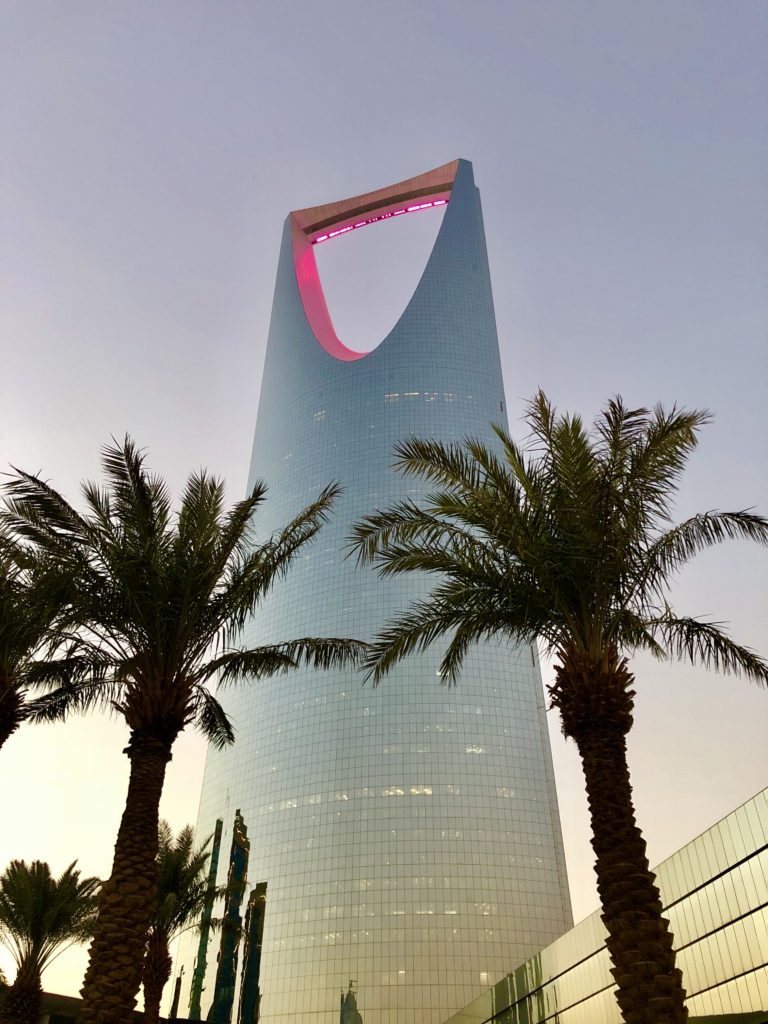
379	216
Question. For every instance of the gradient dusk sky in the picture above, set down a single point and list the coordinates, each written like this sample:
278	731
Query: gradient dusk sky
150	153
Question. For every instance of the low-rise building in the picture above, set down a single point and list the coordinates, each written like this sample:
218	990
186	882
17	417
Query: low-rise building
715	894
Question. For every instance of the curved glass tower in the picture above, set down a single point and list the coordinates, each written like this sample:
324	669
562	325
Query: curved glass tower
408	835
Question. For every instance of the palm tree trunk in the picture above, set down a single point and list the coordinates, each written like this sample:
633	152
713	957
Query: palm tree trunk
650	986
596	703
127	901
157	971
24	998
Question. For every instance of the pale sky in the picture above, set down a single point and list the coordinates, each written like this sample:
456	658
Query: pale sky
149	155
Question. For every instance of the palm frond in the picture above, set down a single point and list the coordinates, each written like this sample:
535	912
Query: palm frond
448	608
40	514
95	694
705	643
412	632
234	666
249	578
273	559
448	465
211	718
270	659
325	652
496	477
678	545
201	509
141	499
431	558
620	429
472	630
658	459
235	531
523	472
373	533
541	417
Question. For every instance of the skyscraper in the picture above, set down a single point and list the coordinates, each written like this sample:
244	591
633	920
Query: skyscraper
409	834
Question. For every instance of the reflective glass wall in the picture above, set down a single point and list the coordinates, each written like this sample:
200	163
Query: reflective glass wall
409	834
715	894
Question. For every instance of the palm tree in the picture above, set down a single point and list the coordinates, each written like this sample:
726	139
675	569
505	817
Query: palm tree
40	917
569	540
30	598
158	602
182	892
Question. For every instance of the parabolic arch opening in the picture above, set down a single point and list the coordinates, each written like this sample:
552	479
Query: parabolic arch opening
319	225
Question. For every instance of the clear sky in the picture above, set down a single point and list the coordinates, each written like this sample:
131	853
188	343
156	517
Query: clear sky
150	152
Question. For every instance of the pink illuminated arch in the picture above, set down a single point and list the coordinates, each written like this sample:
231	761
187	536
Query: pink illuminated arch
318	224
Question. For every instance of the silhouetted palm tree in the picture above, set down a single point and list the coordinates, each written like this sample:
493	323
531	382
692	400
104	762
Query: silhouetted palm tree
40	917
569	541
158	604
182	891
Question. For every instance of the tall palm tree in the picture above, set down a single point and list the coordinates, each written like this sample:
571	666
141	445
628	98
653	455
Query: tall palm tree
182	892
158	604
569	540
40	917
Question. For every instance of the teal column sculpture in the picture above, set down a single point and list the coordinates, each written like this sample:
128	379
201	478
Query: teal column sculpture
198	975
250	994
232	926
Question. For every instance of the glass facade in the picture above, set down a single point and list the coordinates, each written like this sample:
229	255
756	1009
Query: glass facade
715	894
409	834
